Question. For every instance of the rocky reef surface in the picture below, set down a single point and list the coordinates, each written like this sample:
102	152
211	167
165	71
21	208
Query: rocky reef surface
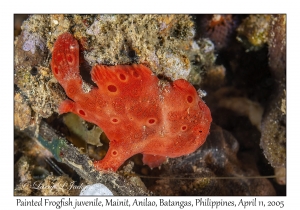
236	62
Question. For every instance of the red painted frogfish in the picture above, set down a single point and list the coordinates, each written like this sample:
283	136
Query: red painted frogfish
138	112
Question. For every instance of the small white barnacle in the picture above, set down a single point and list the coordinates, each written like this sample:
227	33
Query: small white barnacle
95	189
201	93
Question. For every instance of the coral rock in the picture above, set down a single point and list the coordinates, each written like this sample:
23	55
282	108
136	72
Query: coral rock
273	137
22	113
254	30
218	28
205	171
138	112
